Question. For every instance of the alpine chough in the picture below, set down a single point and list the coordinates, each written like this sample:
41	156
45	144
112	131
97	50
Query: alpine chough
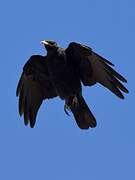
61	73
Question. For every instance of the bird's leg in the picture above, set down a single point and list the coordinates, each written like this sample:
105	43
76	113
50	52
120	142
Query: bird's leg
75	102
72	101
67	107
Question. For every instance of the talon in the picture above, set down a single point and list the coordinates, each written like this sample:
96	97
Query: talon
75	102
66	109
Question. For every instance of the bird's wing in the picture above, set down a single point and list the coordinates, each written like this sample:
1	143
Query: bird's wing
34	86
93	68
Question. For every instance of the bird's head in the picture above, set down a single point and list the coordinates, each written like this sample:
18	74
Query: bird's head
49	45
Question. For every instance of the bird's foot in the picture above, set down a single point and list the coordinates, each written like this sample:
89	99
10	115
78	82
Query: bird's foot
66	109
75	102
71	102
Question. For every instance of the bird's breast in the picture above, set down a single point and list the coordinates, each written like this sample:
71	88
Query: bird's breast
66	83
63	76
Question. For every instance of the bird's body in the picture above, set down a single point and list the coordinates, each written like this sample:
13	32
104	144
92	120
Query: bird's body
61	73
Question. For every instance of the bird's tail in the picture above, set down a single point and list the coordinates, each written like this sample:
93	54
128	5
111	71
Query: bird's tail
82	114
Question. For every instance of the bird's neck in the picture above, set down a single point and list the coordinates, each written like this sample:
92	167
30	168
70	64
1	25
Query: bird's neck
51	52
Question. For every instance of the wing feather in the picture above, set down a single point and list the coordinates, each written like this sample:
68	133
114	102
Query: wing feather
34	86
95	69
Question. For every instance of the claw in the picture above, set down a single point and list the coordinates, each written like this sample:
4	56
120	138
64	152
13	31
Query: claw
66	109
75	102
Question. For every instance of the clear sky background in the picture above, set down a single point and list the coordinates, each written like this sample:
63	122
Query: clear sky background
56	148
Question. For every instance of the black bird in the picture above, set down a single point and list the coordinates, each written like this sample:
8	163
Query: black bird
60	73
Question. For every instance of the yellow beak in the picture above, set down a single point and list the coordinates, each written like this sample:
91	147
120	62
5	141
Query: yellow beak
44	42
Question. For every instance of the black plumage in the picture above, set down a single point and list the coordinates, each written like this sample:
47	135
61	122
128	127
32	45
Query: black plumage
60	73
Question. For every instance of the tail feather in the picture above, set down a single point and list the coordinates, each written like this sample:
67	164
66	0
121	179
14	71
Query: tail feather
82	114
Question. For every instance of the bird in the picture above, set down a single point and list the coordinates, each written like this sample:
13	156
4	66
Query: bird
62	73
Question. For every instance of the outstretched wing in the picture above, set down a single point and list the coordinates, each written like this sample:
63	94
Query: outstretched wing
93	68
34	86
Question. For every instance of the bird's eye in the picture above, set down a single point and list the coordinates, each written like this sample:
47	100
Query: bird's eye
51	42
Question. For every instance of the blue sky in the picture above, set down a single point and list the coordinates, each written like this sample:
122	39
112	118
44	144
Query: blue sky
56	148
